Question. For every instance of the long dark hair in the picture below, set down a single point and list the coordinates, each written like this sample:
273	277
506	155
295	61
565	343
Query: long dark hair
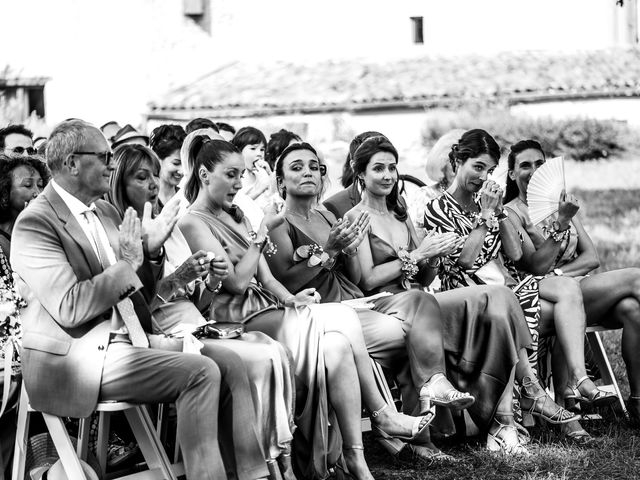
472	144
512	191
361	159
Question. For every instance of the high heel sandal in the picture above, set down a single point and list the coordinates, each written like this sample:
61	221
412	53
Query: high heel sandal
344	470
537	408
419	426
451	398
495	442
595	398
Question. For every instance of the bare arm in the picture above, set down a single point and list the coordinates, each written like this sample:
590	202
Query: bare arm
587	259
282	264
199	237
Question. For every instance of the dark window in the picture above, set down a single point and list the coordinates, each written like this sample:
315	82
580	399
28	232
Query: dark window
417	27
198	11
36	100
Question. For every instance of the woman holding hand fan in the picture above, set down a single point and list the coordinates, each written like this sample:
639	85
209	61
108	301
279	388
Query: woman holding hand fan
560	248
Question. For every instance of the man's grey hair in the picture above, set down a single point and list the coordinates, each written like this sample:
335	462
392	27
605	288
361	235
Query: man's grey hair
67	137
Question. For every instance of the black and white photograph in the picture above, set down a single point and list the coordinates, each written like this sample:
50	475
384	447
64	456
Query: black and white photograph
294	240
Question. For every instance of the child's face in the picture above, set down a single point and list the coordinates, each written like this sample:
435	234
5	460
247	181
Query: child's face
253	153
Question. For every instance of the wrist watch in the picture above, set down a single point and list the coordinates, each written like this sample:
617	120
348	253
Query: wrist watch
558	272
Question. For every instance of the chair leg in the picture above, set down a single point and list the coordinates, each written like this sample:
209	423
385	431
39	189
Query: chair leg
22	436
104	423
66	451
147	439
84	426
608	377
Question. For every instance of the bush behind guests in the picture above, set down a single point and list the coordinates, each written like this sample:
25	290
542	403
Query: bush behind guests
577	138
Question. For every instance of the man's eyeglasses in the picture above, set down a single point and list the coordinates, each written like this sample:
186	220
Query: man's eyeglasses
21	150
105	157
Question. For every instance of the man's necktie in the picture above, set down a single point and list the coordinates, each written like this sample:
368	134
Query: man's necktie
124	307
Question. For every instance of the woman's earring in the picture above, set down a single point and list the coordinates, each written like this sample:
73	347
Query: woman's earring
206	182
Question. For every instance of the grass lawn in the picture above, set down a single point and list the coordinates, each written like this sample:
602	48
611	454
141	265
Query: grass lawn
612	217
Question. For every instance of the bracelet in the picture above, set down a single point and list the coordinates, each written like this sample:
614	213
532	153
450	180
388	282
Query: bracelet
217	288
555	232
490	222
350	254
265	245
409	266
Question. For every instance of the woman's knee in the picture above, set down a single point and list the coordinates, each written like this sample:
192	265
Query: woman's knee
336	348
340	318
628	311
229	363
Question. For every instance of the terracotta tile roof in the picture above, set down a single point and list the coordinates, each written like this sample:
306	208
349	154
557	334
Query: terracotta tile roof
242	89
20	77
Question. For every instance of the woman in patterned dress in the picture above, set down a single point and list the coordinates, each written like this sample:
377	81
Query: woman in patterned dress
560	249
471	208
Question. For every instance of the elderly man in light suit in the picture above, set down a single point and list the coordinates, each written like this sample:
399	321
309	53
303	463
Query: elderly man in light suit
87	276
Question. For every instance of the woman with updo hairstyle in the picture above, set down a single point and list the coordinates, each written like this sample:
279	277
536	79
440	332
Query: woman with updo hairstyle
325	341
278	141
255	419
346	199
166	141
486	244
560	250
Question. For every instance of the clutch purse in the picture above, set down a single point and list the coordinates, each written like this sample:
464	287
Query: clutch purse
219	330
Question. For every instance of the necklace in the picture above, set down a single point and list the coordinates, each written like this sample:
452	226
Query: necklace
375	210
305	218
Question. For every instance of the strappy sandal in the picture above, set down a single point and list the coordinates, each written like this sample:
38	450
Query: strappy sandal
595	398
579	437
495	442
451	398
419	426
341	468
539	403
431	457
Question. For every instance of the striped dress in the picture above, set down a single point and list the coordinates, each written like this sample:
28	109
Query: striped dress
444	214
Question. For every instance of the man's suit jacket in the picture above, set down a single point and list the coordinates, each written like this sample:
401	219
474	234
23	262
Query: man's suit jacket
343	201
70	301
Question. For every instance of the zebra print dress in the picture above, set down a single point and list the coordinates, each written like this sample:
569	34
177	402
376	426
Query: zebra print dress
444	214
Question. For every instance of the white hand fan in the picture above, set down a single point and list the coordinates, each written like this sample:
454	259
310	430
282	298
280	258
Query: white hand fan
544	189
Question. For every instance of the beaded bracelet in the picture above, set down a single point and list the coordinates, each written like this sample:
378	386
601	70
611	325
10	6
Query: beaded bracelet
490	222
217	288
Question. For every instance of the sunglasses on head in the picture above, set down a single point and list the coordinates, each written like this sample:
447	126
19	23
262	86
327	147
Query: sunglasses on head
21	150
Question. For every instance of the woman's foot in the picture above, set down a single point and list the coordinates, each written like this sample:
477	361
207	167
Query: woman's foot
535	401
583	390
389	423
439	391
503	436
431	454
574	433
356	464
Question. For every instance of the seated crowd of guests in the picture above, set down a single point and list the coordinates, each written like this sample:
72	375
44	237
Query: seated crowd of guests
117	248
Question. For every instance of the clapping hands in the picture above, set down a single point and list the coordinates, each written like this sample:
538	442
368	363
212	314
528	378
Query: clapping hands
346	236
155	231
490	197
437	245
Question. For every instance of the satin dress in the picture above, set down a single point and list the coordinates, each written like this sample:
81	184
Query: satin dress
317	443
